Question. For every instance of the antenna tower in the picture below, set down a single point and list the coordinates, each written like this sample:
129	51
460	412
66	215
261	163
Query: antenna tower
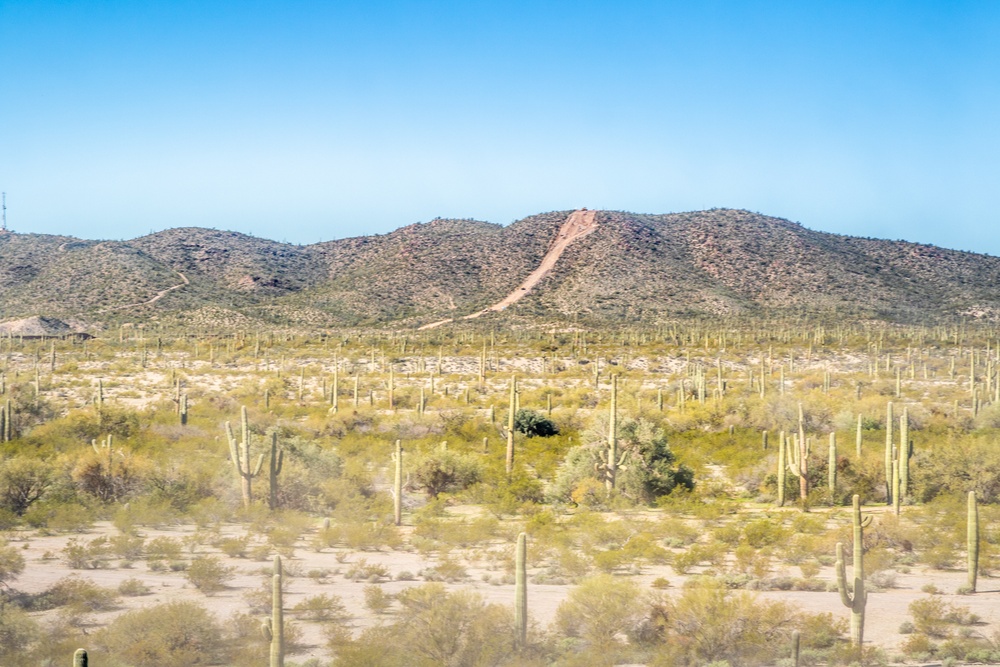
3	224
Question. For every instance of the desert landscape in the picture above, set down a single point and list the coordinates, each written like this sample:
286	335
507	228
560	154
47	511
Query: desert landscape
122	498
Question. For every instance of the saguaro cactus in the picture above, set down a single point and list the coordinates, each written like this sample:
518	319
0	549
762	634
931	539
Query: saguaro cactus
888	453
274	627
397	485
903	454
831	473
782	448
612	436
106	447
858	439
973	541
521	590
856	602
240	455
277	459
183	409
7	422
510	424
80	658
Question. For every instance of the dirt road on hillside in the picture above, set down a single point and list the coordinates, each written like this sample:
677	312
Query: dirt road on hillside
577	225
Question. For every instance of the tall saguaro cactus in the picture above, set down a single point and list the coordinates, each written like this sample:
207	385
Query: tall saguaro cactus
397	485
521	590
240	455
80	658
782	449
856	602
831	472
612	437
510	424
973	541
277	460
903	454
888	453
274	627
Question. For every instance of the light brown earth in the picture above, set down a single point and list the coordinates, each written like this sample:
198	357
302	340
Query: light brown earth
487	574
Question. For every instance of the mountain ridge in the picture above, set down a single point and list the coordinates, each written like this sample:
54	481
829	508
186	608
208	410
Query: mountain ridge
630	268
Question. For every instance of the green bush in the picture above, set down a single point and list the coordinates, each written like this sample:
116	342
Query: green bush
434	627
532	424
17	632
322	607
445	471
209	575
11	562
708	623
175	633
599	609
83	595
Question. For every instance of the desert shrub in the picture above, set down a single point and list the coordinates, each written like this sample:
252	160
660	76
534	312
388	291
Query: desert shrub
377	600
209	575
164	548
126	547
447	569
83	555
445	471
60	516
362	570
133	587
17	632
435	627
11	562
234	547
599	609
532	424
24	481
647	470
83	595
322	607
182	633
708	623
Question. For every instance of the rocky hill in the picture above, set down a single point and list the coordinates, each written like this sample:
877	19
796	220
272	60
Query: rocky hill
632	267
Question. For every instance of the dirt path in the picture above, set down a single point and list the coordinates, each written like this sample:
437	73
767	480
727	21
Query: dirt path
159	295
577	225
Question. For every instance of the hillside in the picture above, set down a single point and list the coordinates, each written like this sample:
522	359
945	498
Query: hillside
631	267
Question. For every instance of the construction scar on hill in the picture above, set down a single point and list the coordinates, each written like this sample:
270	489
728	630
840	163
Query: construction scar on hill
577	225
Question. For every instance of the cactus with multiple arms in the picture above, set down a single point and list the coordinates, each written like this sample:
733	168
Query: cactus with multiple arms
240	455
857	602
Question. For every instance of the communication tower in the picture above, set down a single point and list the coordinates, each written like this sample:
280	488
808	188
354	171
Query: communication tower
3	224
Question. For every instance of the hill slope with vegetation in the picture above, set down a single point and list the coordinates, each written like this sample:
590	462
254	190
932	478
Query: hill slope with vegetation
634	267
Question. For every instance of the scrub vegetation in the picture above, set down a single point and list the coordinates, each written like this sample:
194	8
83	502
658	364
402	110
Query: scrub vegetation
692	494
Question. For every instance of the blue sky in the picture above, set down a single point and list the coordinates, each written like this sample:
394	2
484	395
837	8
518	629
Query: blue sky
306	121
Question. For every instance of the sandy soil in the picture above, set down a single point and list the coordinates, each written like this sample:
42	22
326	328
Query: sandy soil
487	569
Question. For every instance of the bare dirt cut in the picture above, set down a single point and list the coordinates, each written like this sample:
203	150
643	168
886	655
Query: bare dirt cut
577	225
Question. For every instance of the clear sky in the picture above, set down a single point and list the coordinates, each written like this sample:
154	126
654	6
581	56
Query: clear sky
307	121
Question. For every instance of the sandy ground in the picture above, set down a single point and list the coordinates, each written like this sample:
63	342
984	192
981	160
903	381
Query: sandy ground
487	570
